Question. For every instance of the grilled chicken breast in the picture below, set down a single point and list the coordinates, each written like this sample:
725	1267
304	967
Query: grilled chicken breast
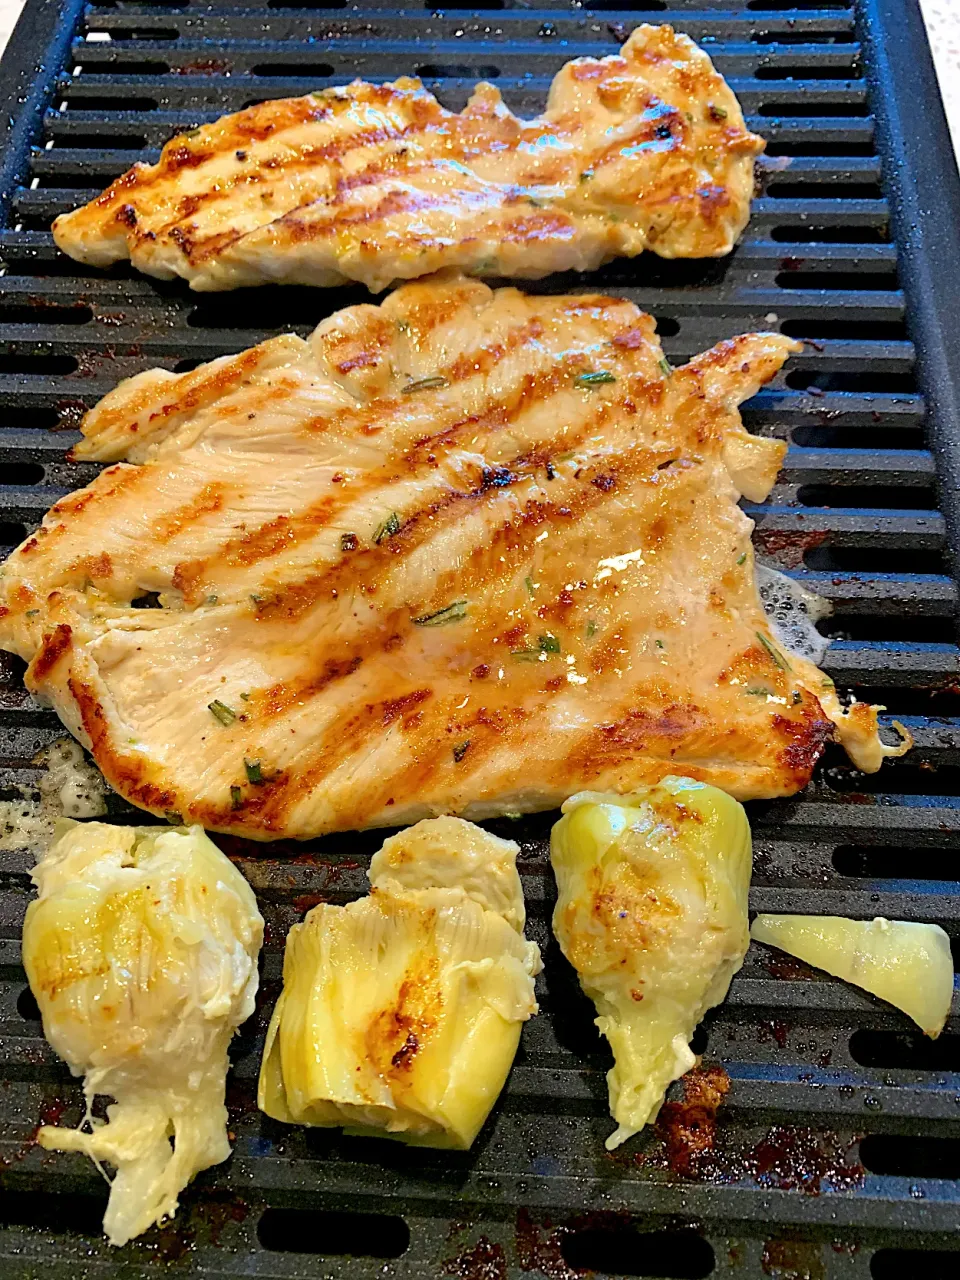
643	150
466	552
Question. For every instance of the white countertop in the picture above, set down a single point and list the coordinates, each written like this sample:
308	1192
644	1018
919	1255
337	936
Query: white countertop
943	28
941	16
9	12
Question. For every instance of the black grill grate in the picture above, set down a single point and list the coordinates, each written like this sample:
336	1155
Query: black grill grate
837	1151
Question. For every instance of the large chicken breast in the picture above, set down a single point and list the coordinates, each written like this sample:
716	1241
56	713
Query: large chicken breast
466	552
643	150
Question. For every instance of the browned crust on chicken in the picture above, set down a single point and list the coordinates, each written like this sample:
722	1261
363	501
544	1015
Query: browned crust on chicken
646	149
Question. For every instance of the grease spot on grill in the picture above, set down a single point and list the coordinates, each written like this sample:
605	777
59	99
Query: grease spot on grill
215	1214
778	1030
201	67
792	1260
484	1260
789	546
305	902
792	1157
787	1158
538	1247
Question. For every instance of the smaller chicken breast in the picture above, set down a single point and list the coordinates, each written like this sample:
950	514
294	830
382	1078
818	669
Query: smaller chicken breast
401	1013
646	149
141	951
652	914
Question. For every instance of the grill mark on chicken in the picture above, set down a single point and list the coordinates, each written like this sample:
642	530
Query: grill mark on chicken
411	455
286	532
392	631
209	500
376	563
395	410
197	249
354	736
202	386
513	541
294	230
649	149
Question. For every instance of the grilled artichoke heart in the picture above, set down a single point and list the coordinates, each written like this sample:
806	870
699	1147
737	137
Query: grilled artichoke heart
903	962
401	1013
652	913
141	951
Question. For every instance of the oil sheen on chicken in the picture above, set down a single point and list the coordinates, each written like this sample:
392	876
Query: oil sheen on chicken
646	149
141	951
401	1013
652	914
466	552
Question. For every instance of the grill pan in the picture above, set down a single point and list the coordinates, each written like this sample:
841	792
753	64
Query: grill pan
836	1153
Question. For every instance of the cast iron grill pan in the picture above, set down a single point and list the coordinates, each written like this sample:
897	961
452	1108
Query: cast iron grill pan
837	1150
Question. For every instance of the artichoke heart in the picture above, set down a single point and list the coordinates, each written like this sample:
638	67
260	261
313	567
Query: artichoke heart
908	964
141	951
401	1013
652	914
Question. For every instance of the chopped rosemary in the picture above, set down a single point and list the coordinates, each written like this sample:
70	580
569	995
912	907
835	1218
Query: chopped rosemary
455	612
741	557
211	599
777	657
797	697
460	749
349	542
590	630
528	583
220	711
175	819
528	654
586	175
595	379
716	113
663	364
32	613
426	384
257	599
548	643
659	644
758	691
387	528
245	697
403	326
253	771
236	797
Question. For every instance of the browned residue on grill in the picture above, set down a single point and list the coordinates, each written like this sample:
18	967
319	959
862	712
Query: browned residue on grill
688	1127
